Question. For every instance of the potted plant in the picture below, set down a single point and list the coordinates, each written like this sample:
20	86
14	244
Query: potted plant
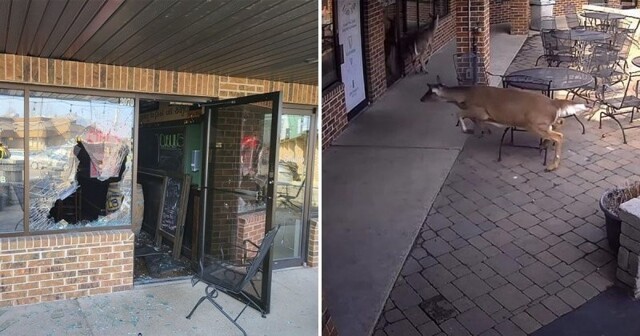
610	205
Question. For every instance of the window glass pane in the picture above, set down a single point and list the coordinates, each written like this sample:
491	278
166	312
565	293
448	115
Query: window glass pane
11	161
80	155
329	66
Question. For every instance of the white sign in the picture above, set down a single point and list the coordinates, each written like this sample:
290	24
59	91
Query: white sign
350	37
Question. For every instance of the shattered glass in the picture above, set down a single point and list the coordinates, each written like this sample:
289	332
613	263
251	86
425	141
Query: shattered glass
80	160
11	161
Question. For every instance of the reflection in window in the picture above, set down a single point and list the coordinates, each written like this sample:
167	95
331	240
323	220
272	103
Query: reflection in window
329	64
11	161
79	161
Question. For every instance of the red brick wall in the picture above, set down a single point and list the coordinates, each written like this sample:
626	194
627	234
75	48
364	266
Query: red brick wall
63	266
560	7
373	34
500	11
313	253
520	16
480	14
251	227
334	114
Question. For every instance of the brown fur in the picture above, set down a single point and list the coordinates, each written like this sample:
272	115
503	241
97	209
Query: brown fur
528	110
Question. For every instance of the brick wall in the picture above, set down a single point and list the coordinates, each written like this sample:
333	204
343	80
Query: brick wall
500	11
313	254
63	266
520	16
560	8
334	114
328	327
373	34
251	227
480	15
34	70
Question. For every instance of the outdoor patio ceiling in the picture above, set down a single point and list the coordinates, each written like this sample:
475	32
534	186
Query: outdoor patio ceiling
266	39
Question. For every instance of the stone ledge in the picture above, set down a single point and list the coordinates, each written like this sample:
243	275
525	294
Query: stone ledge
629	250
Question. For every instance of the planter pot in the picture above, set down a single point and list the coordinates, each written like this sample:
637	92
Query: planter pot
612	222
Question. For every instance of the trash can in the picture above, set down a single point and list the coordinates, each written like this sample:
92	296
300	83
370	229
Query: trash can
540	9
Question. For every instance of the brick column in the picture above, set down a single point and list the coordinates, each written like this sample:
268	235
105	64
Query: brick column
480	17
520	13
313	254
373	34
334	116
630	245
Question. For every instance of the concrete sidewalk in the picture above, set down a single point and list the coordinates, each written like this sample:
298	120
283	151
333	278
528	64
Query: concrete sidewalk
379	181
161	309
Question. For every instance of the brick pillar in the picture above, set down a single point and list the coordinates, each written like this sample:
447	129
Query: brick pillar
519	13
313	254
373	33
629	250
480	17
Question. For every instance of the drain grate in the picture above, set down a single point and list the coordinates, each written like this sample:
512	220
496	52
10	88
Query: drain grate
438	309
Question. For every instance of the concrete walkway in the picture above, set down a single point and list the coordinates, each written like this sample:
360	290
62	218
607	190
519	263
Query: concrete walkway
379	181
508	248
161	309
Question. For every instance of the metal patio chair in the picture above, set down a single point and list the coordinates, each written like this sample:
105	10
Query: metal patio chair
617	101
231	278
556	50
525	83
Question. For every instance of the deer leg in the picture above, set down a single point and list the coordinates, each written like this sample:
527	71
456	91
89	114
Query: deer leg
557	138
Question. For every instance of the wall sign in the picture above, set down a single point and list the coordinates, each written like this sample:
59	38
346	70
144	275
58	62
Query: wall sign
350	38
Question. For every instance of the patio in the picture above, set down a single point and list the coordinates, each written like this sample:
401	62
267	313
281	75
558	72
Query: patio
508	248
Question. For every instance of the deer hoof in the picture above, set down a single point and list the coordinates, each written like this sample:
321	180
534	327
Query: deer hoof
551	167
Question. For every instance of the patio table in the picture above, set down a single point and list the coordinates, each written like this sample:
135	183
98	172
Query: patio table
582	35
602	16
558	78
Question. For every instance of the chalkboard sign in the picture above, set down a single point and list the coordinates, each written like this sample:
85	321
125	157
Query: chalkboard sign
171	206
175	199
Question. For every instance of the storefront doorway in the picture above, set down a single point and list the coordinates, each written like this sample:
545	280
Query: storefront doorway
296	180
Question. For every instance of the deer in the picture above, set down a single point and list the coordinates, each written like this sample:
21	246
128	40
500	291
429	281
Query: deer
510	107
423	44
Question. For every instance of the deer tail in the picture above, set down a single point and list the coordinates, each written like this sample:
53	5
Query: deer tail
565	108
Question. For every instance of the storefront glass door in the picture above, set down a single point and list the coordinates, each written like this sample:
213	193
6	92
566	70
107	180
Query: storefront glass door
239	161
295	178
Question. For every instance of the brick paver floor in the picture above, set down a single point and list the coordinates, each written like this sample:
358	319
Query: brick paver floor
508	247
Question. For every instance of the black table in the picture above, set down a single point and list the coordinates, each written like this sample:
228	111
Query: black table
603	16
558	79
636	61
582	35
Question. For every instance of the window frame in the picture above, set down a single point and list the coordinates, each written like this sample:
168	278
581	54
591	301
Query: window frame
27	88
335	50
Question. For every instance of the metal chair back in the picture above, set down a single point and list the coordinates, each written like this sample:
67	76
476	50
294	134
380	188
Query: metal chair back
527	83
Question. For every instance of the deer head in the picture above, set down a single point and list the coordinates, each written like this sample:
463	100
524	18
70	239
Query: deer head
433	91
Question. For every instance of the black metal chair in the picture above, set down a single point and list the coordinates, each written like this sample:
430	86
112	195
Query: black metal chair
231	278
617	102
556	50
525	83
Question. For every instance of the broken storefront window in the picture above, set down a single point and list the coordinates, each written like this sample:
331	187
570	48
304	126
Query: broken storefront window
80	161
